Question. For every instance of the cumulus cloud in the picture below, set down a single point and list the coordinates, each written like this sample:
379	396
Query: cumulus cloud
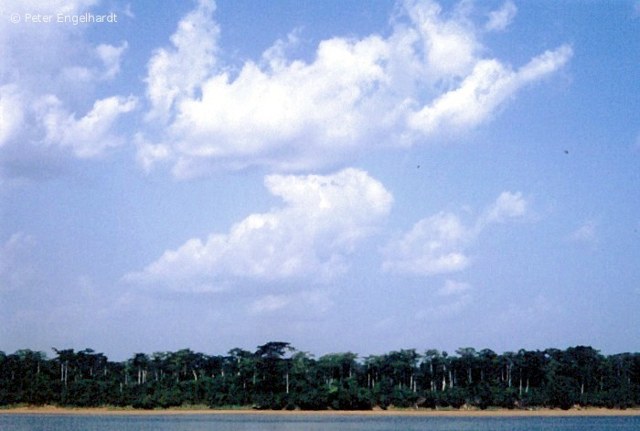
428	76
500	19
508	205
175	72
323	219
11	113
49	75
433	246
449	46
88	136
487	87
149	154
587	233
111	56
438	244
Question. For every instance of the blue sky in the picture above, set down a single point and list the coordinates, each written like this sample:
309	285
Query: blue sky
352	175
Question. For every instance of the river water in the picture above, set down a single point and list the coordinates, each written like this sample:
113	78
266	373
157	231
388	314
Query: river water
232	422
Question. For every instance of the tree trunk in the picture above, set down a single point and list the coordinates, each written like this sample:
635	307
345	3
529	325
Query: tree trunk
287	383
433	377
520	387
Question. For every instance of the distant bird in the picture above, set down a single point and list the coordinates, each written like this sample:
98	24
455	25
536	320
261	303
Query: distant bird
418	167
566	151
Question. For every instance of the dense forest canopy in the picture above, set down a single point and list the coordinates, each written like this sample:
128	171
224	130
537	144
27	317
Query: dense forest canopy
277	376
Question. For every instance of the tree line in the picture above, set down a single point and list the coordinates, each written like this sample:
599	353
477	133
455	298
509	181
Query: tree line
277	376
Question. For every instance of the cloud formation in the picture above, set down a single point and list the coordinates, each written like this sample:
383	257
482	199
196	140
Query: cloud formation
306	302
88	136
11	114
174	73
49	76
587	233
500	19
323	219
508	205
434	245
437	244
427	77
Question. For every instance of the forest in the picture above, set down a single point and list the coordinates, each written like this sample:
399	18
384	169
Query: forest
277	376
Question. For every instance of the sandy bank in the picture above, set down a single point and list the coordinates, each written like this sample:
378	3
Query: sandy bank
53	410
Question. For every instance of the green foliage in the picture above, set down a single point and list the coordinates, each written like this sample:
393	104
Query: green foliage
276	376
454	397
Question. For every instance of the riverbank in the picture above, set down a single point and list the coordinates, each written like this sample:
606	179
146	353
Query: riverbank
54	410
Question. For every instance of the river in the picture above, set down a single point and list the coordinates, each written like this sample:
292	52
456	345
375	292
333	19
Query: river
224	422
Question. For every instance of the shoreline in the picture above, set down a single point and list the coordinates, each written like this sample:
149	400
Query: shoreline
114	411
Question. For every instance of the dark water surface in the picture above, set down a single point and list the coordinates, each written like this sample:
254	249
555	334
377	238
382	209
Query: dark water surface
223	422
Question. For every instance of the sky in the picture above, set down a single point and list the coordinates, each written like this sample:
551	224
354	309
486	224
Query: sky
342	175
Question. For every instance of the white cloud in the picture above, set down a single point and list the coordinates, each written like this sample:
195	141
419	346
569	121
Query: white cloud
307	302
450	46
88	136
427	77
11	113
587	233
430	75
290	117
111	57
433	246
452	288
438	244
508	205
149	154
175	72
486	88
500	19
323	219
49	74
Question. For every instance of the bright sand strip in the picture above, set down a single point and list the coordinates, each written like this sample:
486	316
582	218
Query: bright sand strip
53	410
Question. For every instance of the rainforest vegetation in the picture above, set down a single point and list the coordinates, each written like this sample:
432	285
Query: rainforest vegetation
277	376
